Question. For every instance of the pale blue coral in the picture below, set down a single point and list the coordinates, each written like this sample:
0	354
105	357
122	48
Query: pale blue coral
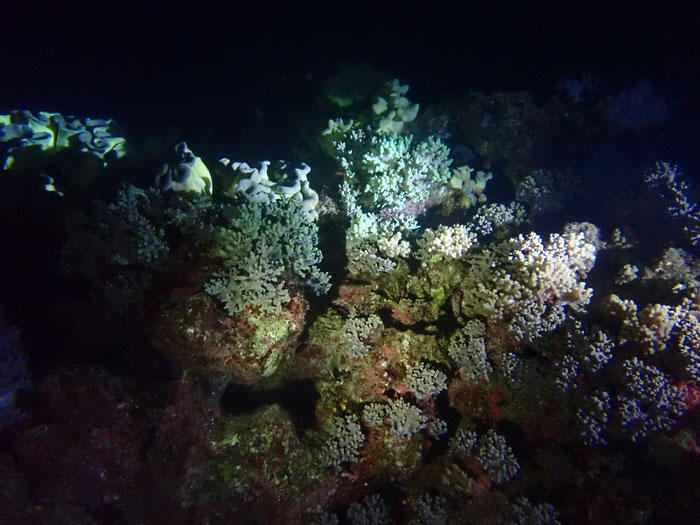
365	263
344	442
497	458
256	282
358	333
491	450
403	419
653	404
423	380
142	238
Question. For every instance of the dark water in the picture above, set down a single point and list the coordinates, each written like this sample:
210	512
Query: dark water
221	70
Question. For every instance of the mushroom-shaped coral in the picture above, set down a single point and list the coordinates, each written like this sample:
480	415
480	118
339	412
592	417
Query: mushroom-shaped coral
188	174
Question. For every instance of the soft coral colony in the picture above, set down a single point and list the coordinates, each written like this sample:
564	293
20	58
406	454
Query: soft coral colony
465	370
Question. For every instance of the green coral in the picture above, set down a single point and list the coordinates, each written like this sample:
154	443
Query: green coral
255	282
47	130
424	294
263	248
268	343
328	325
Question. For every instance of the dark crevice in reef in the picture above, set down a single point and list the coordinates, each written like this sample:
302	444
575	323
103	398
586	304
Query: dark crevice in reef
298	399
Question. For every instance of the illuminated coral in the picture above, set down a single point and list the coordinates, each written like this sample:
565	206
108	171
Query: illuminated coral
490	450
188	174
358	332
498	217
403	419
344	442
532	319
525	268
468	350
266	184
423	381
497	458
393	109
390	172
263	248
393	247
651	327
451	242
47	130
668	180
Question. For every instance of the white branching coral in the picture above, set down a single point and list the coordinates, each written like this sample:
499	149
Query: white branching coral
392	246
451	242
365	263
553	270
493	216
391	172
526	269
651	327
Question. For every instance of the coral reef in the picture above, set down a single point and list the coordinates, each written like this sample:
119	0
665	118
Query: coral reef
451	360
